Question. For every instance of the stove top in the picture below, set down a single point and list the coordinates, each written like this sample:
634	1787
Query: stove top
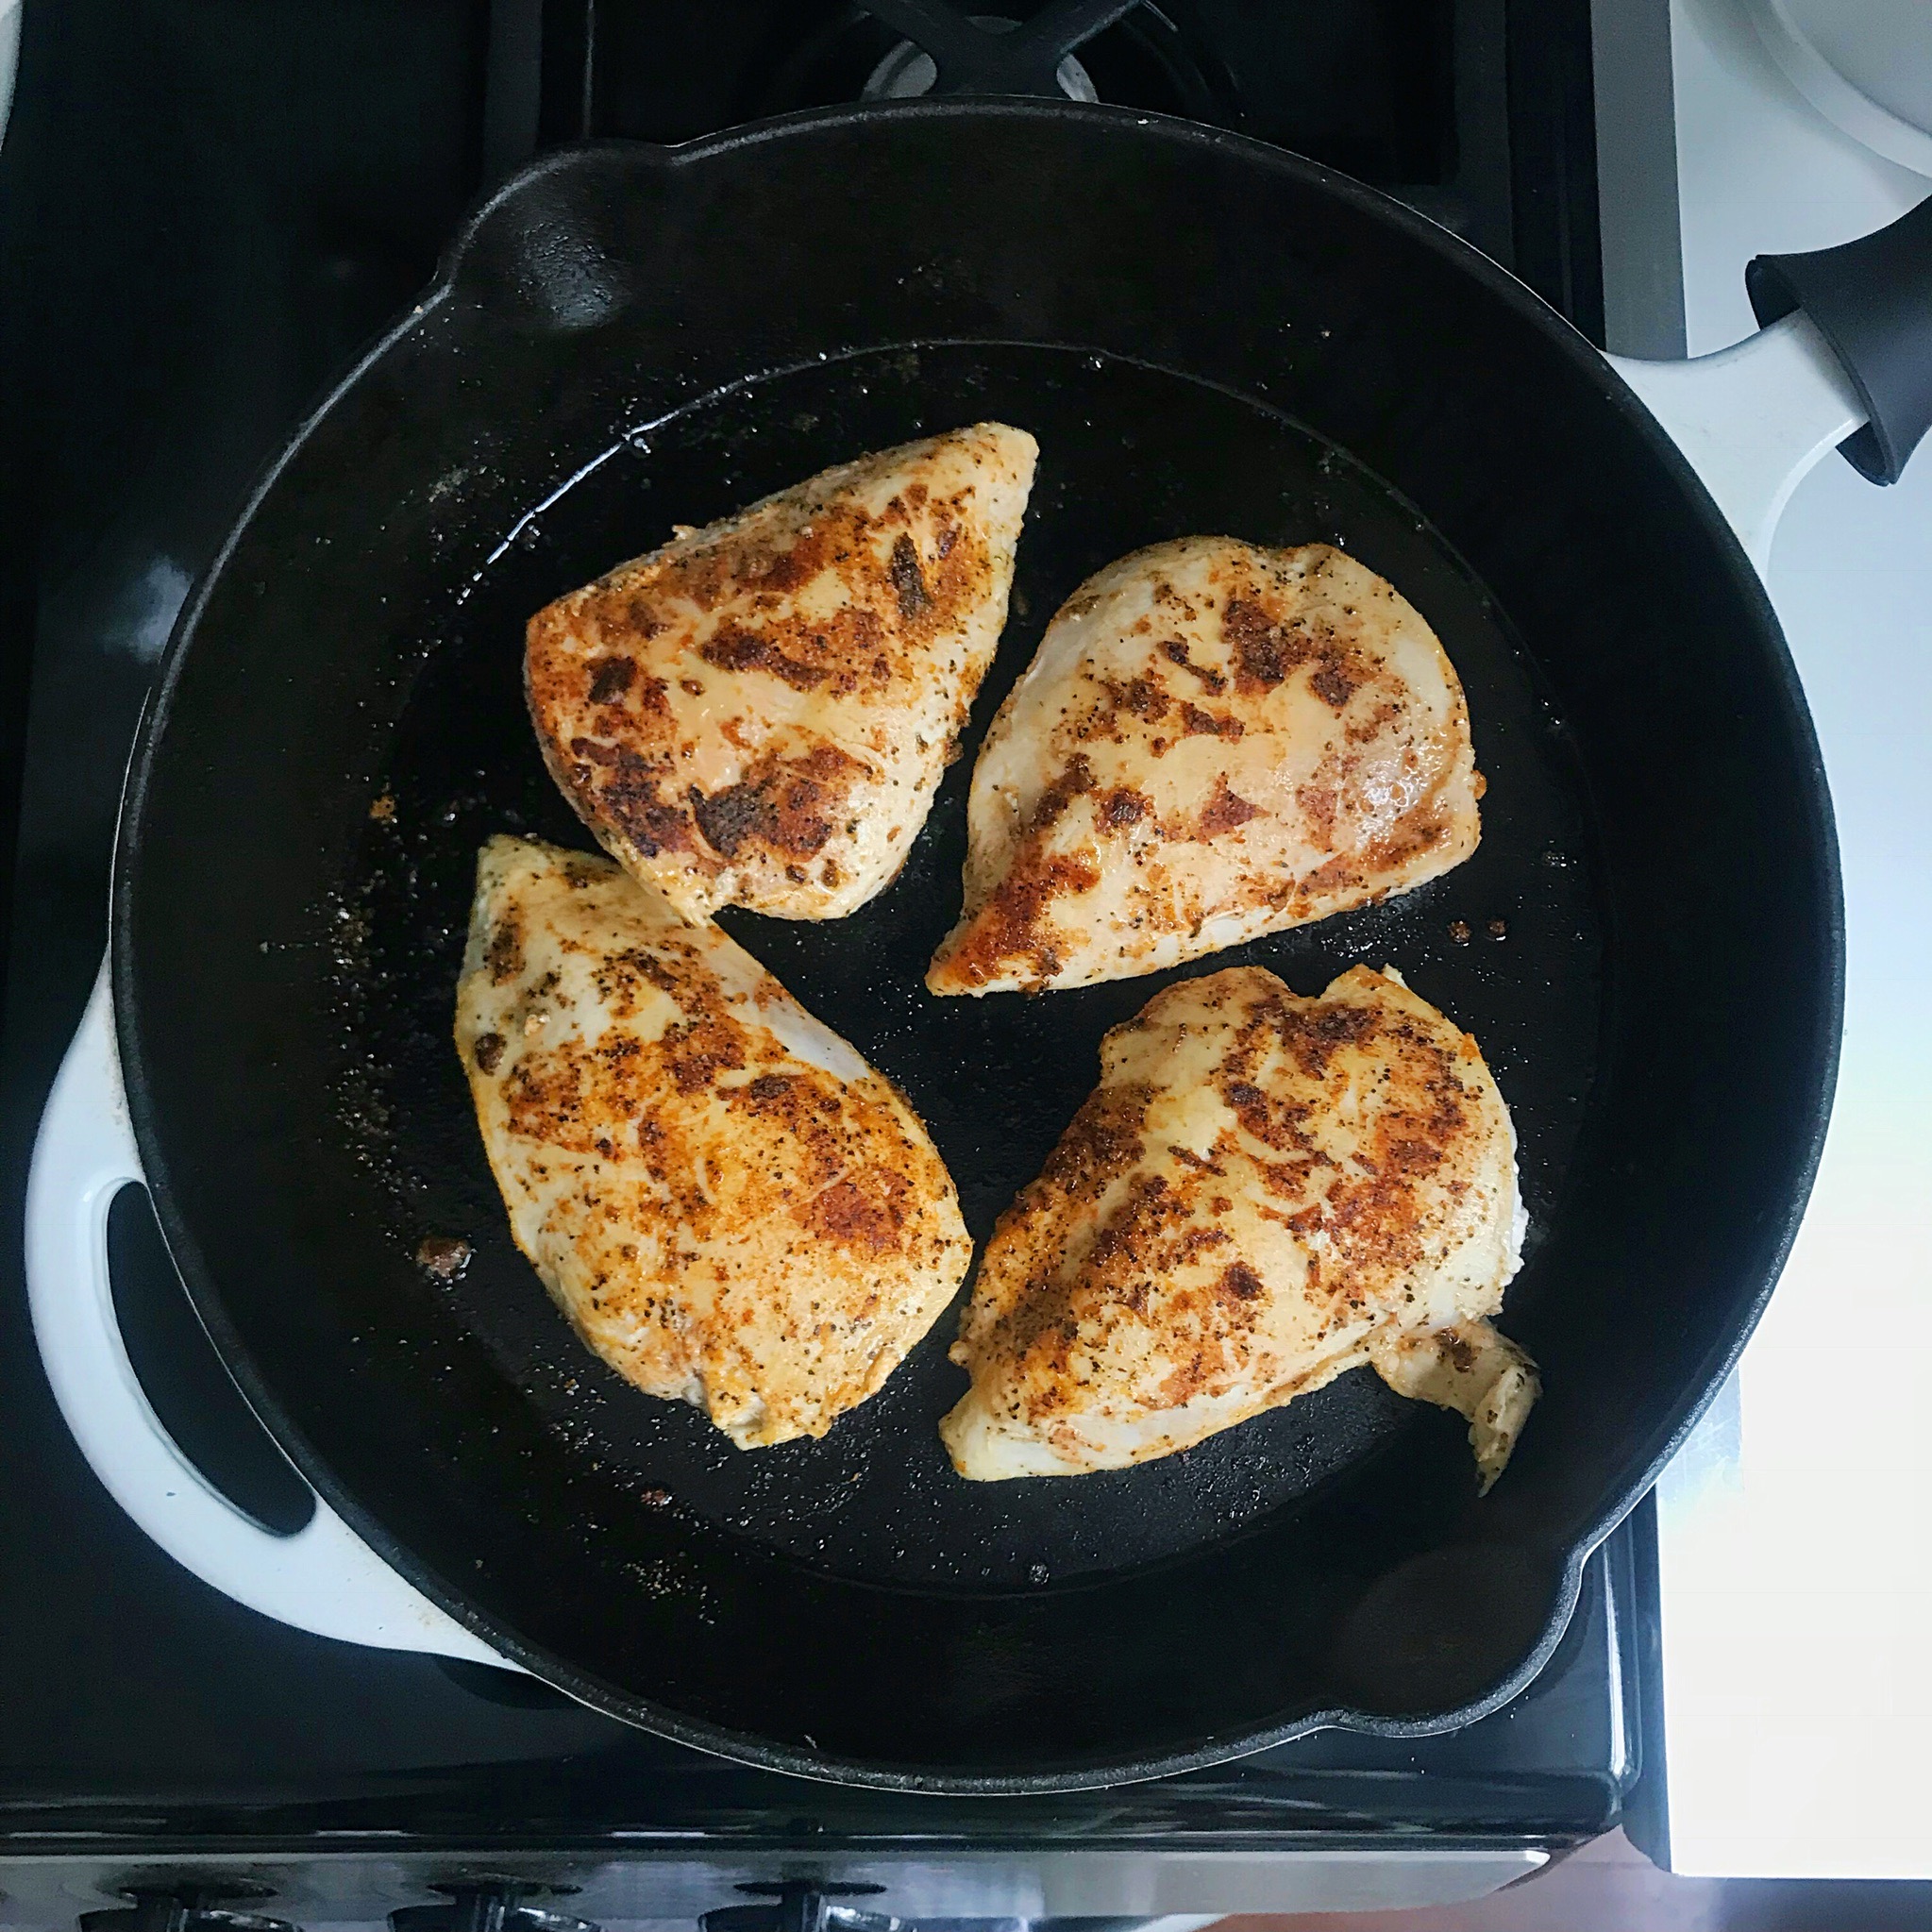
1478	112
204	212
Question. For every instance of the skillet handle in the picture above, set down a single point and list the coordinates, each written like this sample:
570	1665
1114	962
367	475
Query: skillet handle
1844	362
324	1578
1753	420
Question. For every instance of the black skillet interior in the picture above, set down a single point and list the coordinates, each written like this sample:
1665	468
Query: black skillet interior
1129	455
850	1606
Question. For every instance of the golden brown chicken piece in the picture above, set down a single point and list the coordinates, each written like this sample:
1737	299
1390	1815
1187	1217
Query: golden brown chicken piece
1261	1192
1213	742
759	714
732	1209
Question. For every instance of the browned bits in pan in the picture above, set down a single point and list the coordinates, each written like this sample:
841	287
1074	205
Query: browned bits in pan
445	1256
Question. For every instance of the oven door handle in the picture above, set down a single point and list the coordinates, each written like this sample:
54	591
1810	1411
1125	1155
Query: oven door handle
324	1578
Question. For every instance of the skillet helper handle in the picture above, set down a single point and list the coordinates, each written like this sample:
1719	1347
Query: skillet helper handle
324	1578
1847	365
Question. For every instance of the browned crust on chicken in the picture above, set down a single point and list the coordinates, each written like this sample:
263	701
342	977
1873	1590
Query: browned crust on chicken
1215	741
1263	1191
730	1206
760	711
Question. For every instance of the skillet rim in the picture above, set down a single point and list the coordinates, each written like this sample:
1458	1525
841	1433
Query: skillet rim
1819	1052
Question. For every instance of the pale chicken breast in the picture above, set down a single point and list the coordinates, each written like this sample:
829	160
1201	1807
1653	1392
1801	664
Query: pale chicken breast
1262	1192
1213	742
759	714
731	1208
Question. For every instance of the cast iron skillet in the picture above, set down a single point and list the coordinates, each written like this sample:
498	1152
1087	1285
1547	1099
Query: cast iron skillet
1205	335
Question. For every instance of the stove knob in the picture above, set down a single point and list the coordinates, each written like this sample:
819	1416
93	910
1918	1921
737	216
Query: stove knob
801	1905
183	1908
486	1905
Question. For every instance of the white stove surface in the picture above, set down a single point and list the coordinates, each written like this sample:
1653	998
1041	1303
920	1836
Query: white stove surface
1796	1529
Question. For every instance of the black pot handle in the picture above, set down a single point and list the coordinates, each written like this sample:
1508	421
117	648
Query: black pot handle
1871	301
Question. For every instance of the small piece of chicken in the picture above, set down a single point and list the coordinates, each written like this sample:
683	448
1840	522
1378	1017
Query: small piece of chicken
1261	1192
1213	742
759	714
731	1206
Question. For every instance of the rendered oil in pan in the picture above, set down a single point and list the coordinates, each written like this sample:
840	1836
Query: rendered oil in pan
1508	945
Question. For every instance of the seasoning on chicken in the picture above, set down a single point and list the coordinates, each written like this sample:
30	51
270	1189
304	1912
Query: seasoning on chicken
732	1209
1262	1192
1213	742
759	714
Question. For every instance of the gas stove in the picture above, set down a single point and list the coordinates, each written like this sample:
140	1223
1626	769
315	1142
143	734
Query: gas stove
204	212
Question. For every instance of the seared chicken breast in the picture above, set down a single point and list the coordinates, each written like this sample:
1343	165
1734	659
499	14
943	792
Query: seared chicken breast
731	1207
759	714
1262	1192
1213	742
